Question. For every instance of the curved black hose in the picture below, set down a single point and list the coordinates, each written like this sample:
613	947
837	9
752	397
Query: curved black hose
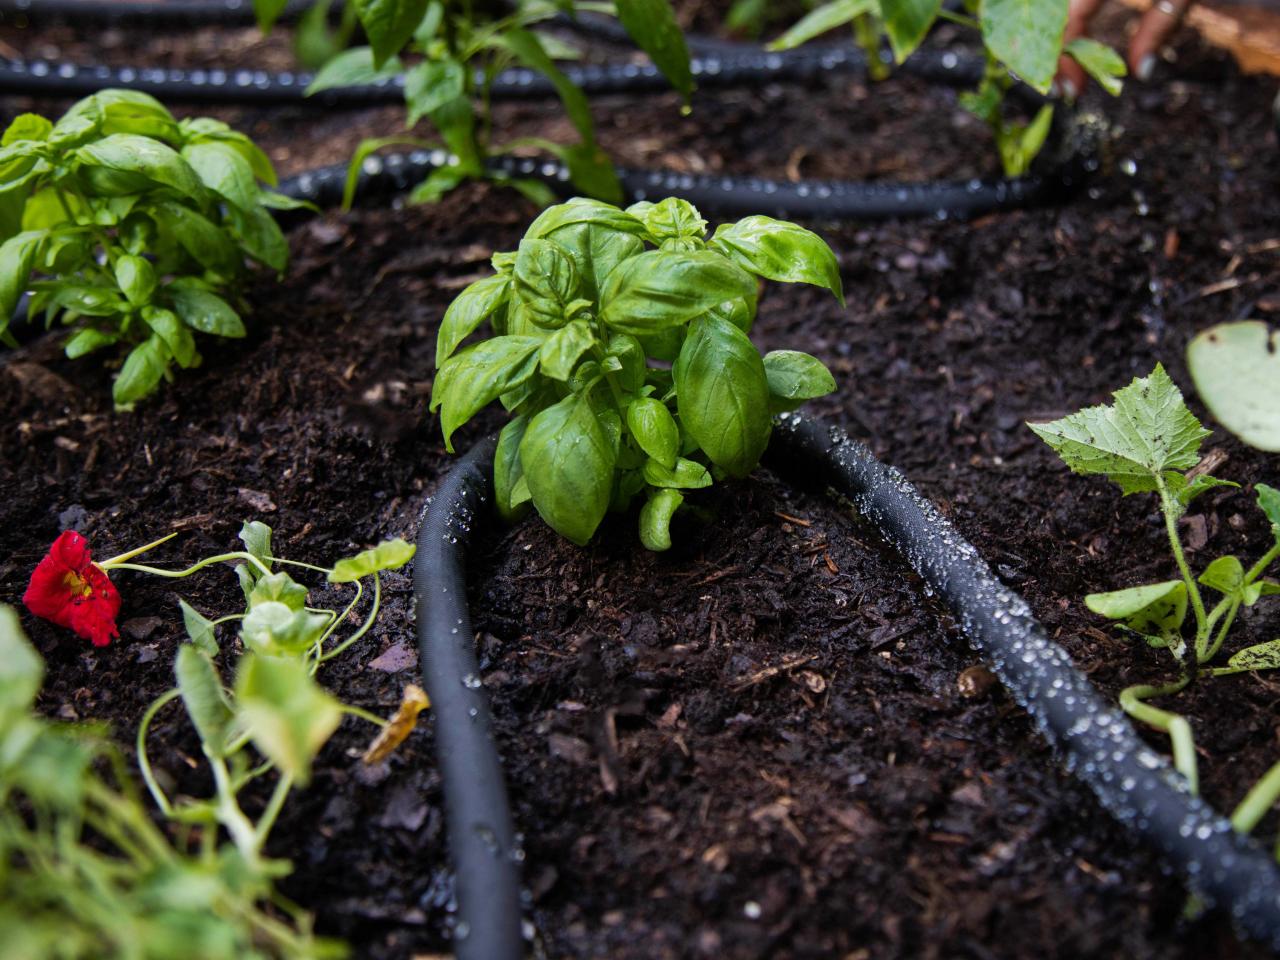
1130	779
44	78
482	839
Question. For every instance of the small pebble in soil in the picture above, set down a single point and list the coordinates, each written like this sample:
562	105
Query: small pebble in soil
974	682
751	910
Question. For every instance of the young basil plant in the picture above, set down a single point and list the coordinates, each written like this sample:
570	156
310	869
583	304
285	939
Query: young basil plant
1022	40
448	53
1149	442
134	229
620	345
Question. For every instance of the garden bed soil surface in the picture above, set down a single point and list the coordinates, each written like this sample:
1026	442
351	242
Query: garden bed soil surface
768	742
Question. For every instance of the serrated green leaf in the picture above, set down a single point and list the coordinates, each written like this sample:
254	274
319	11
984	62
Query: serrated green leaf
1236	370
287	715
1147	432
388	555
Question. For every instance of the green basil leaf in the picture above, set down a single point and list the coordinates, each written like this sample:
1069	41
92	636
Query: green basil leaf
137	279
388	555
278	588
225	171
204	698
476	376
115	111
200	629
26	126
655	518
723	395
628	354
389	24
1236	367
285	712
568	460
562	350
598	236
820	20
18	257
208	130
675	219
907	22
141	373
177	338
651	291
129	153
507	468
795	377
687	475
653	26
654	429
782	251
1026	36
88	340
432	84
261	236
545	281
472	307
202	310
207	243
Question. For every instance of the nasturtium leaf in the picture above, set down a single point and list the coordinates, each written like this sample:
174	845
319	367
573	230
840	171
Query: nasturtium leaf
353	68
778	250
176	336
476	376
658	289
274	628
17	258
655	518
1146	433
568	461
654	429
674	219
546	281
204	698
136	278
200	629
285	712
280	588
430	85
907	22
256	537
1262	656
1269	504
795	377
1100	62
1156	608
821	19
225	171
1026	36
476	304
132	154
687	475
1236	370
722	395
507	468
389	24
201	309
142	371
1225	574
653	26
21	669
388	555
562	350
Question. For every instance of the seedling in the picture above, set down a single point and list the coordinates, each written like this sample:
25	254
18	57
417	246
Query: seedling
620	344
1149	442
1022	40
134	229
449	53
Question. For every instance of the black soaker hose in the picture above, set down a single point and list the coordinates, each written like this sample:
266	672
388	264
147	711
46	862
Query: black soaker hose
482	839
1130	779
149	13
45	78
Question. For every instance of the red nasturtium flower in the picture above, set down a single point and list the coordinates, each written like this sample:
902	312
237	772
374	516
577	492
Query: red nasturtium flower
72	591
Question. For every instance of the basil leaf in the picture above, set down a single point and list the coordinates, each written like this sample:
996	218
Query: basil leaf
149	159
568	461
655	518
507	468
88	340
795	377
203	310
654	429
627	352
687	475
472	307
674	219
17	258
136	278
26	126
723	395
478	375
780	251
389	24
598	236
177	338
223	170
545	281
207	243
562	350
261	237
655	290
141	373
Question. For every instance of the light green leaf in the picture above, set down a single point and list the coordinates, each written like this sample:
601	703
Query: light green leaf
476	376
176	336
26	126
782	251
1147	432
225	171
1020	144
654	429
1152	608
388	555
279	588
256	537
653	26
472	307
1026	36
208	130
674	219
795	377
87	340
389	24
820	20
21	669
430	85
17	258
288	716
354	68
687	475
1100	62
1269	504
272	627
203	310
545	282
141	373
568	462
1185	492
658	289
200	629
136	278
129	153
907	22
562	350
598	236
204	698
1262	656
655	518
1259	589
1236	370
1225	574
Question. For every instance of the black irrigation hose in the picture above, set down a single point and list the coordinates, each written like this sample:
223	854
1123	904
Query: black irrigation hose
185	13
1131	780
482	840
44	78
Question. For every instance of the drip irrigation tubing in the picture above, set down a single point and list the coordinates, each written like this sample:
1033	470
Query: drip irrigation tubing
184	13
1131	780
47	78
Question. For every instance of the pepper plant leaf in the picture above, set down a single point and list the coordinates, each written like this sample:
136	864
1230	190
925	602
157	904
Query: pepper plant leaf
389	24
1100	62
822	19
653	26
1025	35
907	22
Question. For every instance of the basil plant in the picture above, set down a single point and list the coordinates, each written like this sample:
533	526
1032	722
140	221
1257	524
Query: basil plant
620	343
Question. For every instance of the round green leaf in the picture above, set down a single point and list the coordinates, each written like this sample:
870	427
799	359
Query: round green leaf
1236	369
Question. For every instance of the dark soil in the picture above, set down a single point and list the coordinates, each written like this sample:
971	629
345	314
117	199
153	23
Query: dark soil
760	744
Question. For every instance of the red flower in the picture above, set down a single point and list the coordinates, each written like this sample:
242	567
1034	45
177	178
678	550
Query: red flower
70	590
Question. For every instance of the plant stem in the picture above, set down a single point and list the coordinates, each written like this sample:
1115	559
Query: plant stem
364	628
363	714
1179	730
178	574
1171	513
1260	798
144	763
232	817
1259	568
960	18
1227	621
283	786
140	550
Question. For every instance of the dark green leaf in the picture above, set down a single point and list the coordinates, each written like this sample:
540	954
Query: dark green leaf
778	250
651	291
207	243
137	279
389	24
545	281
652	25
1026	36
628	354
476	376
907	22
131	154
568	463
430	85
507	469
261	236
795	377
562	350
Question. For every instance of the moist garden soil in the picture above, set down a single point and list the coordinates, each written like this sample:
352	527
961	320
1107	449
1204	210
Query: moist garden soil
768	742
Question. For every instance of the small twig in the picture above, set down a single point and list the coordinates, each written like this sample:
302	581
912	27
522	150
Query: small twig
790	519
762	675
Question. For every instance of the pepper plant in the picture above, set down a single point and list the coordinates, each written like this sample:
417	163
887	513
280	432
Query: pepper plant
621	346
1149	442
1021	40
449	52
134	229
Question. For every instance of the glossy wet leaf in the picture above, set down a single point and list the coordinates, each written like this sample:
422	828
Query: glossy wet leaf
568	464
388	555
285	712
1236	370
545	281
476	376
782	251
654	429
132	154
136	278
202	310
794	378
476	304
655	290
225	171
562	350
